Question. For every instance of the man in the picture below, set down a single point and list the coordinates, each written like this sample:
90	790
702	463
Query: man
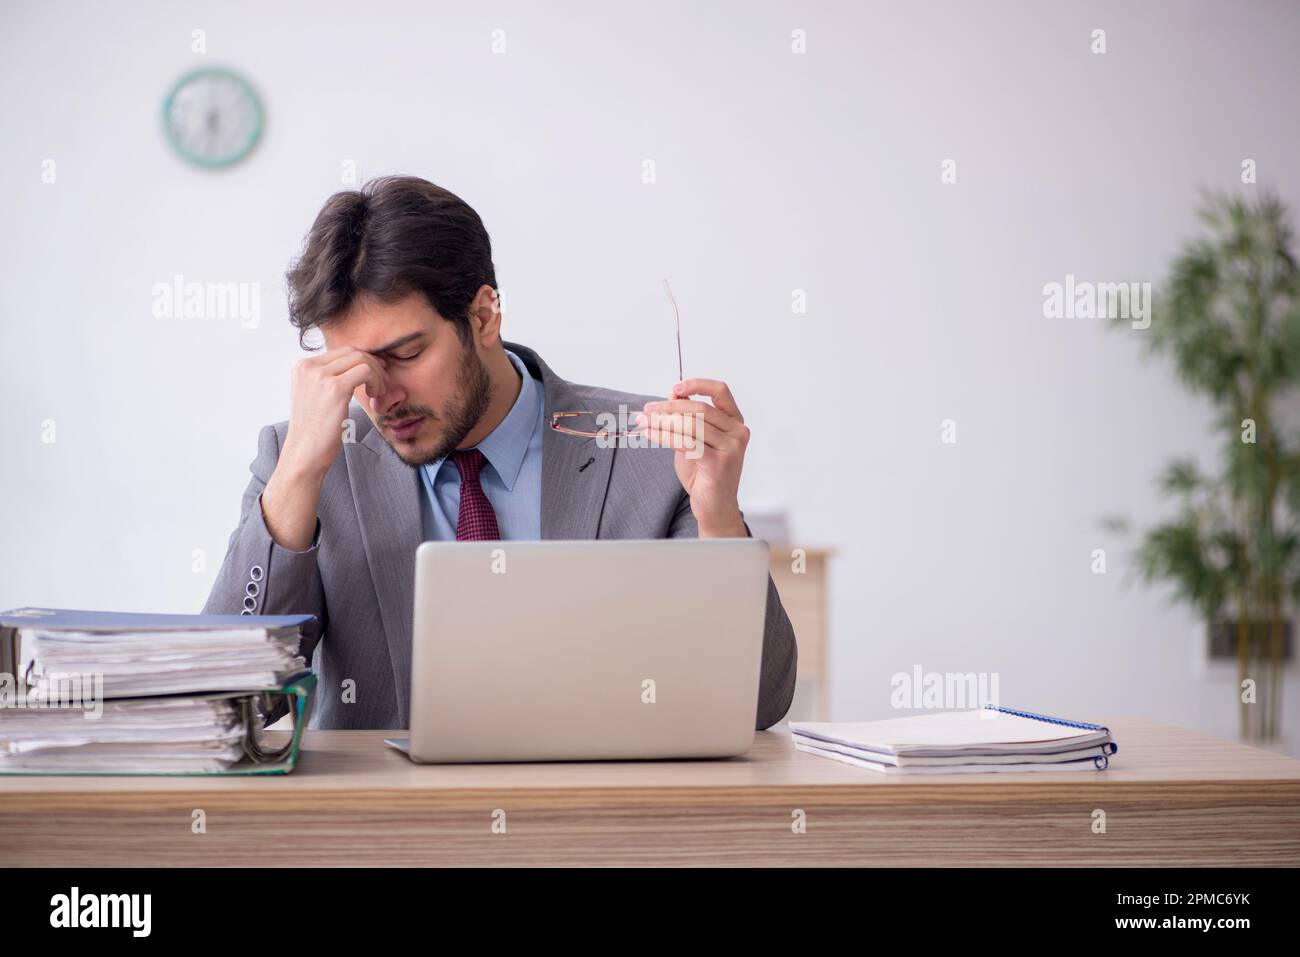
444	432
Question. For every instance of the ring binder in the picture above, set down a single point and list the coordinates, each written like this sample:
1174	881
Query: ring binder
298	715
294	697
299	690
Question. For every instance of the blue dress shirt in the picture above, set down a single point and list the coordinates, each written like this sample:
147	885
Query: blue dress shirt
512	478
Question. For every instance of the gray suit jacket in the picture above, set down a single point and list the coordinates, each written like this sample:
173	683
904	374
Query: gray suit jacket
358	577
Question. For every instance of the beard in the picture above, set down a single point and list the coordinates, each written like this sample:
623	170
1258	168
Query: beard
463	411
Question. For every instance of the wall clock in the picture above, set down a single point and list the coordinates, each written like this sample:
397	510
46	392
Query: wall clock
212	117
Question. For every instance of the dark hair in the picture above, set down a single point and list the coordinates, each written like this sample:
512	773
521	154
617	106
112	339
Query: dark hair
394	236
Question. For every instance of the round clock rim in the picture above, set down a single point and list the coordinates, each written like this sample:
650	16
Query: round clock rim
223	161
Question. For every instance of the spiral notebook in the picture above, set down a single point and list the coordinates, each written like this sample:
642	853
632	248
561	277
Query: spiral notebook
989	739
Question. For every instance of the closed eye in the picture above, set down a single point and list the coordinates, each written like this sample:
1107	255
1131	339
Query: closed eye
413	355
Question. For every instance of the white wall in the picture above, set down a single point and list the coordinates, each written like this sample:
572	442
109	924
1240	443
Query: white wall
776	172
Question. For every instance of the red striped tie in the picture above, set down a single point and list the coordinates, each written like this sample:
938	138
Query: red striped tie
476	522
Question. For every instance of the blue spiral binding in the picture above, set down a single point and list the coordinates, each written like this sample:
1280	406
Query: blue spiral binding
1050	720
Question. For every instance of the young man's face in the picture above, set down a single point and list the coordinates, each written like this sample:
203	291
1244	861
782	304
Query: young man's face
436	387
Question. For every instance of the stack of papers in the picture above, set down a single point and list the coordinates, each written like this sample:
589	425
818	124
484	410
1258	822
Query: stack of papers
96	692
164	662
140	734
987	739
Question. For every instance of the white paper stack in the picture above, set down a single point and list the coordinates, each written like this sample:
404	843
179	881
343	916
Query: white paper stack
948	742
143	734
164	662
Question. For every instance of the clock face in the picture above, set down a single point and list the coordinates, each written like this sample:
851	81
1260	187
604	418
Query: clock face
212	117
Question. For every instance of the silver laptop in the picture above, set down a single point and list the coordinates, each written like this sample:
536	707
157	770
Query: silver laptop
574	650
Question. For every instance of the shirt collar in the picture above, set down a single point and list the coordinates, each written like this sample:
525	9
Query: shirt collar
506	445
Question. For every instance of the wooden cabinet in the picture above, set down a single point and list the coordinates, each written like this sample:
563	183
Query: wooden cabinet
800	577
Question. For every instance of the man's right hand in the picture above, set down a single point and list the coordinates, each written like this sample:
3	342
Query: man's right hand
323	386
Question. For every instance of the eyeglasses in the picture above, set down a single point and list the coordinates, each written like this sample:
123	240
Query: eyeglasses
614	425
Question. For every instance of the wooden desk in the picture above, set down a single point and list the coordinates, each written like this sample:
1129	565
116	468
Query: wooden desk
1171	797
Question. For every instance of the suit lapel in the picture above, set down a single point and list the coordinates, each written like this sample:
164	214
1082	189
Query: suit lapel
387	493
575	471
575	478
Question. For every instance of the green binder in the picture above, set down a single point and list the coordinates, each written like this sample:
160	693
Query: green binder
297	692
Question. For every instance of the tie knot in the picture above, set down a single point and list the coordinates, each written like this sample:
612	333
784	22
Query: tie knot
469	462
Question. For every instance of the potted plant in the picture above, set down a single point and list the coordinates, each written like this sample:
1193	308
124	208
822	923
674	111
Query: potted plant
1229	318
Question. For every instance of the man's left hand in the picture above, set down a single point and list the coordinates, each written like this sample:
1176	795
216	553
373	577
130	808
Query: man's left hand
709	442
